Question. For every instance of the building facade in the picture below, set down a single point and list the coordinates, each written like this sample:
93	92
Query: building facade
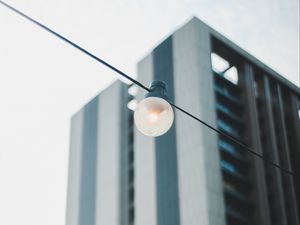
100	185
190	175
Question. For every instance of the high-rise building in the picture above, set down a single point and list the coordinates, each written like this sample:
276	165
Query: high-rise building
100	186
190	175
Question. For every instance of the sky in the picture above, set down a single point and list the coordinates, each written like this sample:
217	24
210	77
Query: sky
43	81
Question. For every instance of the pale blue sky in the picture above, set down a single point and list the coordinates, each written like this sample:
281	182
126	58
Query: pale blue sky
43	81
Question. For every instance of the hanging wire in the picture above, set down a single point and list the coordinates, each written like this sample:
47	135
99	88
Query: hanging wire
74	45
244	146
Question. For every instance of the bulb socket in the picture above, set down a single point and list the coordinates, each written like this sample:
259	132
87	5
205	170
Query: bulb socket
158	89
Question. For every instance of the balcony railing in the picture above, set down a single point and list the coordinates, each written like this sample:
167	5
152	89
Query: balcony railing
231	151
225	110
233	173
228	129
237	195
224	92
237	215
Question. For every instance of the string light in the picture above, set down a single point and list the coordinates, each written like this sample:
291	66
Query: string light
152	117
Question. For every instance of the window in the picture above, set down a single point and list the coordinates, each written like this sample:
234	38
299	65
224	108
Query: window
130	136
227	166
218	63
229	186
225	110
224	91
227	147
131	215
224	68
224	126
131	157
131	175
232	75
131	194
255	89
222	108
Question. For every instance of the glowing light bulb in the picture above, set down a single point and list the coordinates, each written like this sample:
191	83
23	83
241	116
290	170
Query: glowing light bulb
154	116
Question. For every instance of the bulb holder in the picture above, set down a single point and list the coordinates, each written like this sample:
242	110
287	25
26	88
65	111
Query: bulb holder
158	89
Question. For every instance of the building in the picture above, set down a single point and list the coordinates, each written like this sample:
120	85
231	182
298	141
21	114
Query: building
191	175
100	185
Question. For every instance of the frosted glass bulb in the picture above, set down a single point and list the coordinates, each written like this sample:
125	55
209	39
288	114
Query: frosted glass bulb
153	116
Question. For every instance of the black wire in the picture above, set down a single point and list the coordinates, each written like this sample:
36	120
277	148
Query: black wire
141	85
75	45
232	139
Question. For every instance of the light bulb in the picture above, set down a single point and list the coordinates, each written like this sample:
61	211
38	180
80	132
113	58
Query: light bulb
153	116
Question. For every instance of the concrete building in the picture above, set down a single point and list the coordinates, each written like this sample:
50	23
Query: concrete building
100	185
191	175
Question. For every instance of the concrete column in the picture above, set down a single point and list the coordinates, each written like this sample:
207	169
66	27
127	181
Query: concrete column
247	79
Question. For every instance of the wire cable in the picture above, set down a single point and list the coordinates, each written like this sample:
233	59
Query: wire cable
245	147
74	45
232	139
